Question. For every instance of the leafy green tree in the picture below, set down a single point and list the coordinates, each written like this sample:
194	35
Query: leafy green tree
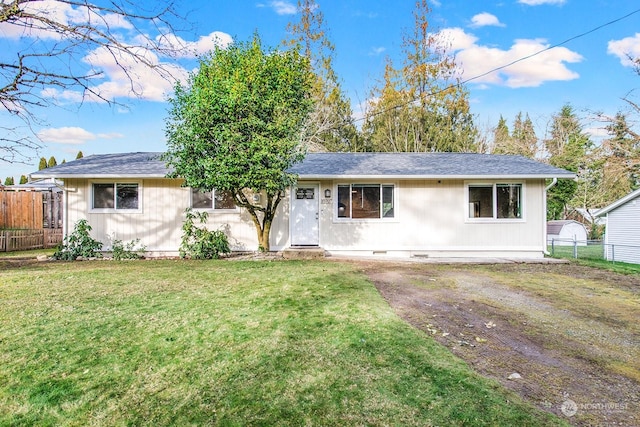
8	180
330	126
23	179
52	162
42	164
422	105
79	155
567	146
236	126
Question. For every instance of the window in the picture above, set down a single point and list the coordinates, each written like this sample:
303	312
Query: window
202	199
495	201
365	201
120	196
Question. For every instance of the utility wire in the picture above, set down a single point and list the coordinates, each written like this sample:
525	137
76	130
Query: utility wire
524	58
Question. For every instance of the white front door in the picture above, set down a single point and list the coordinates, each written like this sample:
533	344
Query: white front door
305	210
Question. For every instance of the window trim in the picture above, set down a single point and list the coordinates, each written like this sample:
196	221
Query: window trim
115	182
213	204
494	186
382	184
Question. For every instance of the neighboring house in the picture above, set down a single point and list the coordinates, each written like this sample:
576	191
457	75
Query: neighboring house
398	204
622	237
566	233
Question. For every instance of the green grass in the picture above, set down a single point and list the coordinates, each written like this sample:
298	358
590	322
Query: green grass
226	343
593	256
27	254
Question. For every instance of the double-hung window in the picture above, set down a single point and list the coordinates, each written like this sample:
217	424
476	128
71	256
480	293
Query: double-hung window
202	199
365	201
116	196
495	201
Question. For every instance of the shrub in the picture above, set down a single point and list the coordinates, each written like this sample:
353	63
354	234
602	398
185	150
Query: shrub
128	250
199	242
78	244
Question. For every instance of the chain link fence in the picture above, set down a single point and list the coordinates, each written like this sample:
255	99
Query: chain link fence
590	249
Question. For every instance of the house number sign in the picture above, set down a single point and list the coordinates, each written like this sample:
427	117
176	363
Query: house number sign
304	193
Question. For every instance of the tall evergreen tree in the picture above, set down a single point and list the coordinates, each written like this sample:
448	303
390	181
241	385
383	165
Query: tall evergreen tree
23	179
422	105
8	180
330	126
79	155
52	162
567	147
42	164
501	137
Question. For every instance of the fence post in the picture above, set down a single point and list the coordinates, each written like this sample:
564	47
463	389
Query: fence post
613	254
575	248
553	247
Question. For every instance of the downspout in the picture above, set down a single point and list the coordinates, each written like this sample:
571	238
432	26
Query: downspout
544	213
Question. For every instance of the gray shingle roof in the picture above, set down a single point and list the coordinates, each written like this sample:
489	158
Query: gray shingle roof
145	164
423	165
331	165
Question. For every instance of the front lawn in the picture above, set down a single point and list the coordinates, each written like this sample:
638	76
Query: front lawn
226	343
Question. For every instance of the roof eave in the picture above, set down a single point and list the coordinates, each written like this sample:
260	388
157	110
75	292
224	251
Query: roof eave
410	177
100	176
617	203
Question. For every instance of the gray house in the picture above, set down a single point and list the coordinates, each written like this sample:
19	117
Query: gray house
622	237
394	204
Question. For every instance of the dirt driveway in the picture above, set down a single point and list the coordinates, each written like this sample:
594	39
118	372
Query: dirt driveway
564	337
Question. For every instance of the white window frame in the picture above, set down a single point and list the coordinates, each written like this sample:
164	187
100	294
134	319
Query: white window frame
115	183
494	186
213	204
395	187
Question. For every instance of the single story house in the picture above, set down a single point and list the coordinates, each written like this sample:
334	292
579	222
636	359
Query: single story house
398	204
622	236
566	233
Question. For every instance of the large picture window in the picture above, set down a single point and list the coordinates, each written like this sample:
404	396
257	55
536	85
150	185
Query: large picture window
119	196
365	201
495	201
201	199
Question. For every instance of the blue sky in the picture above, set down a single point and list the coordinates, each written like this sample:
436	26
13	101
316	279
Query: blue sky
590	72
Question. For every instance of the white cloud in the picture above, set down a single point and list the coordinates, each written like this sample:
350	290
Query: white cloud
485	19
375	51
539	2
124	77
477	60
282	7
61	13
204	44
625	47
73	135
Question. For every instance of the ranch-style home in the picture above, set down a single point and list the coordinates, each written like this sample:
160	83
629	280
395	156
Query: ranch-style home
394	204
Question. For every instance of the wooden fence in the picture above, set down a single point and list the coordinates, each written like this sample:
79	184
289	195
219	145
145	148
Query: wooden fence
30	209
23	240
21	209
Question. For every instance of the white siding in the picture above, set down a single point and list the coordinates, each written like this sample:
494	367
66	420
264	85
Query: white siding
431	220
623	232
158	225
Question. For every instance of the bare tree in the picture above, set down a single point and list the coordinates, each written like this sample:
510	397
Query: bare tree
58	50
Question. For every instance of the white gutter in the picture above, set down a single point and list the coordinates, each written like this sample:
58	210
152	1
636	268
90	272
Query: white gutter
544	215
554	182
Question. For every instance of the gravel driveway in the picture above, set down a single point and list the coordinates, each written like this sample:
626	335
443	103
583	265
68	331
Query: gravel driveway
564	337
